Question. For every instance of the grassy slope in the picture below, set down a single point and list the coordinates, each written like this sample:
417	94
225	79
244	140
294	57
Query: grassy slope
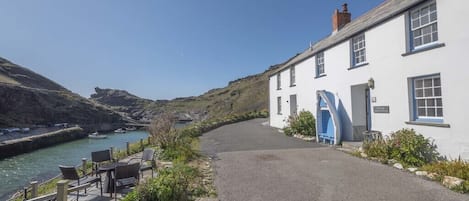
27	98
240	96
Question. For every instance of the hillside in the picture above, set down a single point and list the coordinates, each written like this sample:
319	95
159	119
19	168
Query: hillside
27	99
239	96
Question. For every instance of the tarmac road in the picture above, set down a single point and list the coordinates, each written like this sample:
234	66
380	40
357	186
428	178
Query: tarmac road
255	162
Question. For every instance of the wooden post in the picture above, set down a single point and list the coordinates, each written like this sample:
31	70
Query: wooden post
83	164
111	149
141	143
128	148
149	140
34	186
62	190
25	193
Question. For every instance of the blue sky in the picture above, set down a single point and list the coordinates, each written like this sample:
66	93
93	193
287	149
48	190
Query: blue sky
160	49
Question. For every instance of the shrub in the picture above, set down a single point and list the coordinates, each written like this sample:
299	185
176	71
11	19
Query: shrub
172	184
405	146
162	131
455	168
411	148
304	124
376	148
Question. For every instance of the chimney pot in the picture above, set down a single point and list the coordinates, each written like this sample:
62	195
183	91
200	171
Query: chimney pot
344	8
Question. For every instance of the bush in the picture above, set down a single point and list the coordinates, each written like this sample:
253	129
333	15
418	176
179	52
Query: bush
175	144
172	184
163	132
376	148
304	124
405	146
455	168
411	148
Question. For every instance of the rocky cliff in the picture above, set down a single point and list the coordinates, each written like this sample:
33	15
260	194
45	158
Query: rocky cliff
239	96
27	99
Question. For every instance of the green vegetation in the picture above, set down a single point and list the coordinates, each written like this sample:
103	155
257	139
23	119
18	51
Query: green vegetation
183	181
304	124
455	168
405	146
172	184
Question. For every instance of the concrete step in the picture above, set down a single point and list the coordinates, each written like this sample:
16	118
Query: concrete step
352	145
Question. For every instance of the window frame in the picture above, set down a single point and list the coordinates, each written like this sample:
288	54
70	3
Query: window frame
320	62
411	29
353	51
292	76
279	81
279	105
414	99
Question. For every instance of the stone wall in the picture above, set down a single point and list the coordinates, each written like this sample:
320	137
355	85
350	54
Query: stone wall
28	144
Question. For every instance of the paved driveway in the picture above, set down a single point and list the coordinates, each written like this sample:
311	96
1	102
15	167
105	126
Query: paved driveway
255	162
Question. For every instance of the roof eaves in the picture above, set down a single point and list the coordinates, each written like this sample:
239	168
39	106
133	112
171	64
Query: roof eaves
346	33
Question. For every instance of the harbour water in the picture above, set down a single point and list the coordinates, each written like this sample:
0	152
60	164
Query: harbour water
16	172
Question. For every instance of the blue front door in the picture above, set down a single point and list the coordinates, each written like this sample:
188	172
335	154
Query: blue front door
326	129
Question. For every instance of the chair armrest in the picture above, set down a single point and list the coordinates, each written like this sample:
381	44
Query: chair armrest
128	162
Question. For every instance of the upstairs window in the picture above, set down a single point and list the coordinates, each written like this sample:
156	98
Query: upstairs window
428	102
279	82
320	64
292	76
358	50
423	25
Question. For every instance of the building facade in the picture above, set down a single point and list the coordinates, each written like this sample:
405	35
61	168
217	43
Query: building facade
400	65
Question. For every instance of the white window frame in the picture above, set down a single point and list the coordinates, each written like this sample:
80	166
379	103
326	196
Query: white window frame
279	81
427	22
359	50
427	96
279	105
320	67
292	76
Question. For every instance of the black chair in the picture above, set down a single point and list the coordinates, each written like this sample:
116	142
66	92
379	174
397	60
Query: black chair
147	161
125	176
99	157
70	173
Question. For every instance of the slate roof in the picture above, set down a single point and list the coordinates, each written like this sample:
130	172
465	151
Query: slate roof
379	14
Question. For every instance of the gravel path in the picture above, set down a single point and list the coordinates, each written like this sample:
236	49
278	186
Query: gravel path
255	162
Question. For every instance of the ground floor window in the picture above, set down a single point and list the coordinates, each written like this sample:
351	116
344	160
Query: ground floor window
279	105
427	98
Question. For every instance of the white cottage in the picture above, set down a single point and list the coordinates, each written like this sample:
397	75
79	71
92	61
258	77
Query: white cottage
400	65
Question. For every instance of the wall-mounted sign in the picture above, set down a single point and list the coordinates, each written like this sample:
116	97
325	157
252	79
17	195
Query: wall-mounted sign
381	109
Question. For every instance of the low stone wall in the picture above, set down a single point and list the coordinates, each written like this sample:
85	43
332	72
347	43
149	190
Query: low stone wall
102	127
23	145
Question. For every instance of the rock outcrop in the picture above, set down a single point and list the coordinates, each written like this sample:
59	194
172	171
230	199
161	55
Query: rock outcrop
28	99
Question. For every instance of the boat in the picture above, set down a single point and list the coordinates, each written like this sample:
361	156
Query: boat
130	129
96	135
120	130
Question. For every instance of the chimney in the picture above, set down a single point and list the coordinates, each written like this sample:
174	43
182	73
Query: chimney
340	19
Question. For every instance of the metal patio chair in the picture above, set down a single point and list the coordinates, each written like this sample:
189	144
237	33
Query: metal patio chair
125	176
98	157
147	161
71	173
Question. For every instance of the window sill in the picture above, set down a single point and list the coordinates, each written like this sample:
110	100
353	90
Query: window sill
428	124
358	66
437	45
279	113
293	85
278	89
319	76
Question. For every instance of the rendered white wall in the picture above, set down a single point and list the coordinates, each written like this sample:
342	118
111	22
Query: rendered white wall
385	45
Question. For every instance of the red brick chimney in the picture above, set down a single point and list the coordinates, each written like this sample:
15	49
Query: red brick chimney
340	19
